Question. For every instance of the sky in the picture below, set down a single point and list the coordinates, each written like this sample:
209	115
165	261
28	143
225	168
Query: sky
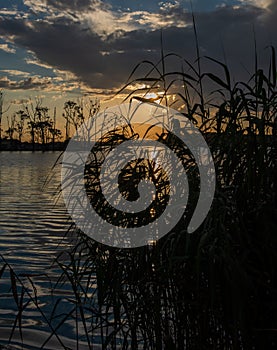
60	50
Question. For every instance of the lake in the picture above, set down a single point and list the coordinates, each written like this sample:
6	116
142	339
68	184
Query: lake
33	222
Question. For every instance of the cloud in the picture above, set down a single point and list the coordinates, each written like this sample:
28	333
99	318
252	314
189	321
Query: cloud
37	63
25	84
102	19
104	22
7	48
36	6
257	3
8	12
39	84
90	42
15	72
69	5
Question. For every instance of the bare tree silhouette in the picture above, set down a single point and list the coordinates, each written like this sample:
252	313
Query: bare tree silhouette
2	112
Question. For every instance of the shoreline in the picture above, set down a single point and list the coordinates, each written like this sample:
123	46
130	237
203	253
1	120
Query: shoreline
16	146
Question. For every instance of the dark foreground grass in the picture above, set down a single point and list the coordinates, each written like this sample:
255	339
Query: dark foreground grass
215	289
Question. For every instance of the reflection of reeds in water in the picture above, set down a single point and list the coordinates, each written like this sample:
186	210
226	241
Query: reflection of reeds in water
215	289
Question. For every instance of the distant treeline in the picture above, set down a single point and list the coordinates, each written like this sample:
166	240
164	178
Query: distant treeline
34	124
15	145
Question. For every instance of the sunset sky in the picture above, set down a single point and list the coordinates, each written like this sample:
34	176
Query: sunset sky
60	49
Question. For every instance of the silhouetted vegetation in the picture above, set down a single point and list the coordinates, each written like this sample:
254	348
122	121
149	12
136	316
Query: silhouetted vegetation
33	128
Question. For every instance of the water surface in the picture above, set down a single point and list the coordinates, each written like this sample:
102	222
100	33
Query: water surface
33	222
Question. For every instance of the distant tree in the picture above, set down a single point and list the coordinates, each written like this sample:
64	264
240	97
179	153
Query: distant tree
21	116
39	121
73	114
2	112
43	123
53	131
55	134
11	127
31	112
